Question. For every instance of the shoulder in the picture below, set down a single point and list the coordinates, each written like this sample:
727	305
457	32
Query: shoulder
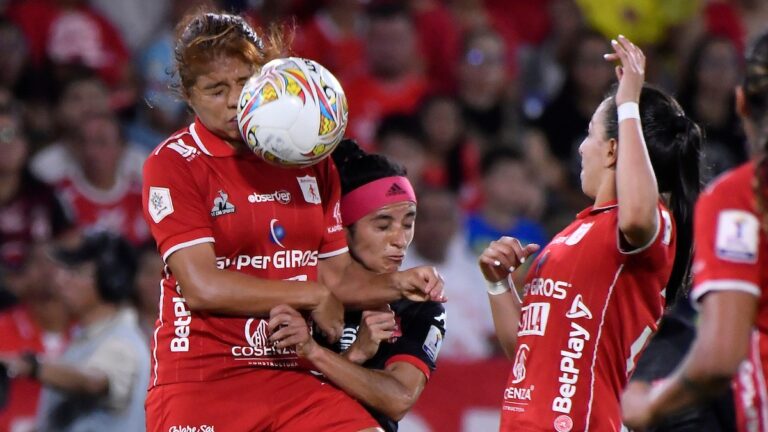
179	149
734	187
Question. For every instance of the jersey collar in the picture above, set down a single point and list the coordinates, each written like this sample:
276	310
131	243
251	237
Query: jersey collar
597	209
209	143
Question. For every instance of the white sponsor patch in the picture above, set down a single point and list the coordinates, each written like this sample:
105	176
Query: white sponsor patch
432	343
737	236
667	220
309	189
160	204
578	234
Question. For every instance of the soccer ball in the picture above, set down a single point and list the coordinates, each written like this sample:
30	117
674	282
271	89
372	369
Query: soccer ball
293	113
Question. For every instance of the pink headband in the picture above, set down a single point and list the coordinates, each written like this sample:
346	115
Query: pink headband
374	195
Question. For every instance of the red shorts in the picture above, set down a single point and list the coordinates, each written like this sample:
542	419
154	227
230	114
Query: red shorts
257	401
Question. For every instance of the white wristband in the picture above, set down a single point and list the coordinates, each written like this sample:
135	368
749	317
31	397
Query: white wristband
499	287
629	110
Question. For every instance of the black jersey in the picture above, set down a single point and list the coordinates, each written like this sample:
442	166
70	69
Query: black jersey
423	328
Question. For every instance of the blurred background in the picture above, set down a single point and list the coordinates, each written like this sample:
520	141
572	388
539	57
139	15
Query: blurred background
483	101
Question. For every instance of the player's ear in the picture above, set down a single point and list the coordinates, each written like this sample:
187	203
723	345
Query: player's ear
611	152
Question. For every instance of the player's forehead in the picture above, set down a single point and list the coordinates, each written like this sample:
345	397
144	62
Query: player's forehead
223	69
396	211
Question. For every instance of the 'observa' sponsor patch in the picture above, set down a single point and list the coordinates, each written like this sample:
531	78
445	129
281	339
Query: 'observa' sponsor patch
737	236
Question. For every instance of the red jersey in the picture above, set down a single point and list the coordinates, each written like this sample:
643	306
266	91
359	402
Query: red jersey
117	210
588	310
269	222
21	334
732	255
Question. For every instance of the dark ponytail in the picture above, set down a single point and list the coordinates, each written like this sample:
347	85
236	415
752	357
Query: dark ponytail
674	144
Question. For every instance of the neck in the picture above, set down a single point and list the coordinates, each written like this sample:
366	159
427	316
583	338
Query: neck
9	185
98	313
101	179
607	190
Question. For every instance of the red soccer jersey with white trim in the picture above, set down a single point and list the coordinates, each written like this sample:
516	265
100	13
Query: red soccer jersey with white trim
588	310
732	255
269	222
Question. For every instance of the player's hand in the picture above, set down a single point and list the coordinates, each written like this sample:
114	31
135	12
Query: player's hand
503	256
287	328
375	326
635	405
631	70
329	316
420	284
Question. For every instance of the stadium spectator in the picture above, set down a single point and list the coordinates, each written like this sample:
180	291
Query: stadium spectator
97	193
706	95
100	380
30	212
729	282
595	294
453	158
439	242
82	96
394	81
512	202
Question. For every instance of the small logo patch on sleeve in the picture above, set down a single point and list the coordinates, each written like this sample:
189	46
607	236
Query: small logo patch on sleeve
737	236
160	204
432	343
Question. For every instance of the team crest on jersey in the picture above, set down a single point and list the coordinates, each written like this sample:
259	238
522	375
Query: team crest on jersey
309	188
221	206
737	236
578	234
432	343
160	204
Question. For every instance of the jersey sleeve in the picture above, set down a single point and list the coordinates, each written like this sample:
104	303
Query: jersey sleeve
727	234
334	240
173	205
660	250
423	331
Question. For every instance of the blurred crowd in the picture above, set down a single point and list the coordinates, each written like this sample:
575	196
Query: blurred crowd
483	101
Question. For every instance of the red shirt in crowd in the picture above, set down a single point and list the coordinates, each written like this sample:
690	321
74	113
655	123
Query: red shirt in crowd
588	311
265	221
732	255
117	210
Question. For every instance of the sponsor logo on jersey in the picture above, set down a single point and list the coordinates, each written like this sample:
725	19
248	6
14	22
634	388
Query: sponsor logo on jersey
578	309
221	206
309	189
579	234
348	337
563	423
518	393
186	151
518	369
547	288
283	259
281	196
667	237
432	343
160	203
182	320
533	319
737	236
569	373
276	232
257	335
337	217
201	428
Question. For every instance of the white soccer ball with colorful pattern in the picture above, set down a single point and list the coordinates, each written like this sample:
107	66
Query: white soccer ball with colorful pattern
293	113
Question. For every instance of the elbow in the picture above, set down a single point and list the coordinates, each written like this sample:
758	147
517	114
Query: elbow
399	405
198	295
714	365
